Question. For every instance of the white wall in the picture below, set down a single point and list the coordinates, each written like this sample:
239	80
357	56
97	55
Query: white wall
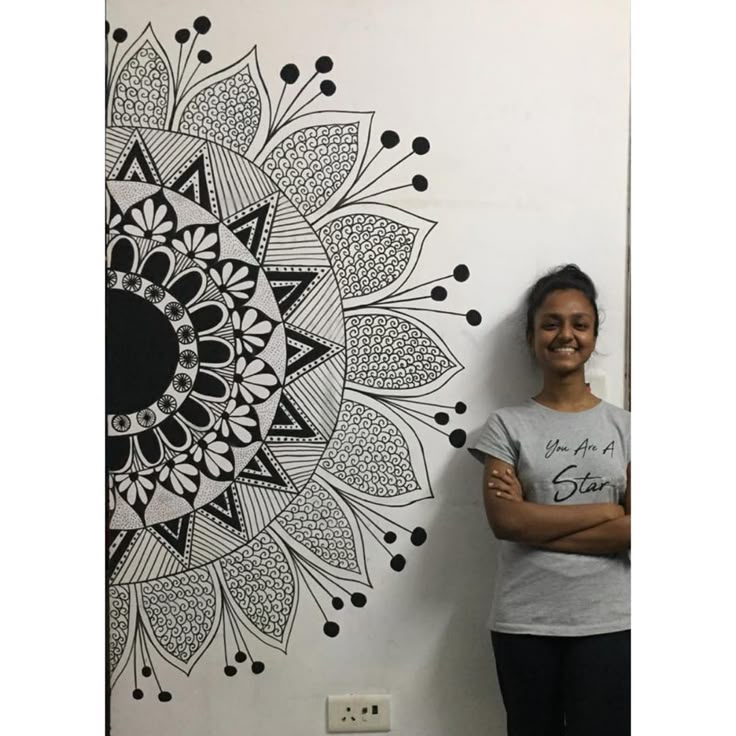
525	103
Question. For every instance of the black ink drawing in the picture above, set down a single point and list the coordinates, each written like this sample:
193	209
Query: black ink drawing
264	366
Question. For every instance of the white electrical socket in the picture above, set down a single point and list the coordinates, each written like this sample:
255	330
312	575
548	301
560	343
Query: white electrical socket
358	712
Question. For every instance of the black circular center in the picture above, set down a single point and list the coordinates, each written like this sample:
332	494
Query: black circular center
141	353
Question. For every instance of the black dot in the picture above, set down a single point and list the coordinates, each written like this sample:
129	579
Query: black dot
460	407
327	88
182	35
441	417
240	656
473	317
457	437
420	146
420	183
398	563
418	536
202	24
230	670
164	696
389	537
323	64
358	600
119	35
257	668
439	293
331	629
461	272
290	73
107	27
337	603
204	56
137	693
146	671
389	139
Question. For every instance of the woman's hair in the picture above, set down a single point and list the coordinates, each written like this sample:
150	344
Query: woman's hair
564	277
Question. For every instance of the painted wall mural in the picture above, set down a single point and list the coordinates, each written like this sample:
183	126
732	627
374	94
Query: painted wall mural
269	372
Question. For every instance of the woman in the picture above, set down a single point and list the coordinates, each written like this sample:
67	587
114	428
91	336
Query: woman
557	494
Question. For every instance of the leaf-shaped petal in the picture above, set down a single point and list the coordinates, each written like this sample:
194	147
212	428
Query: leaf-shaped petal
181	614
143	88
315	159
373	249
230	107
121	607
320	526
262	584
374	454
396	355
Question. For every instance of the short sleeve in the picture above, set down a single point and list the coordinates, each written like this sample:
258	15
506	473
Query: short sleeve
494	439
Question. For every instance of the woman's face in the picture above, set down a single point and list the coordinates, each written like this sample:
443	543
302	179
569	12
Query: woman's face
564	332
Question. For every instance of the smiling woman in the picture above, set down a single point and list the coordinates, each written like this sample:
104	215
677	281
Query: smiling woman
558	497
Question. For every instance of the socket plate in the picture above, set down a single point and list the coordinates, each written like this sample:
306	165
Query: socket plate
359	712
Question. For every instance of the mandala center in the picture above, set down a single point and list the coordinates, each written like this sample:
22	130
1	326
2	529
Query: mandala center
141	353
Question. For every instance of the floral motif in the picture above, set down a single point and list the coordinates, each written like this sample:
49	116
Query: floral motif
150	222
198	245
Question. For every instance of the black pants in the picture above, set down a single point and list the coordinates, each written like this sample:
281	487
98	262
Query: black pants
565	685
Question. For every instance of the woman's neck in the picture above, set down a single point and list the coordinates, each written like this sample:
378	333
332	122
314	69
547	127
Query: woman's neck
566	393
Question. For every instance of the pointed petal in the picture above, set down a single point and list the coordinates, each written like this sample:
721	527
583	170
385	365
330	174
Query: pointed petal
142	89
181	612
385	465
315	159
262	584
396	355
230	107
321	527
373	249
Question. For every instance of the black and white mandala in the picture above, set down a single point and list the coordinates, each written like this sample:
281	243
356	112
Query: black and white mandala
264	366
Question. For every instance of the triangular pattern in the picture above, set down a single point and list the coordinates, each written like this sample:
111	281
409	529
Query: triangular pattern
119	545
291	423
293	240
135	163
305	351
252	225
194	181
177	535
212	539
298	459
149	558
225	509
239	183
291	285
261	506
266	472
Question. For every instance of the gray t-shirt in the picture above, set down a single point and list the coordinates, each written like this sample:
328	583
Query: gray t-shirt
560	458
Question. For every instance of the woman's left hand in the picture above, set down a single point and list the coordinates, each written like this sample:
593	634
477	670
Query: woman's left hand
507	486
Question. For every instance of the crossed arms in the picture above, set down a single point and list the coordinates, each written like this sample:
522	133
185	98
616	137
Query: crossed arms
593	529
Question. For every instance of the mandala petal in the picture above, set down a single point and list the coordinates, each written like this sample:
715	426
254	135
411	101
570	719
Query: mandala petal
230	107
181	612
396	355
262	583
122	254
157	266
142	88
188	286
321	527
215	352
121	615
210	387
315	159
374	454
373	249
208	317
